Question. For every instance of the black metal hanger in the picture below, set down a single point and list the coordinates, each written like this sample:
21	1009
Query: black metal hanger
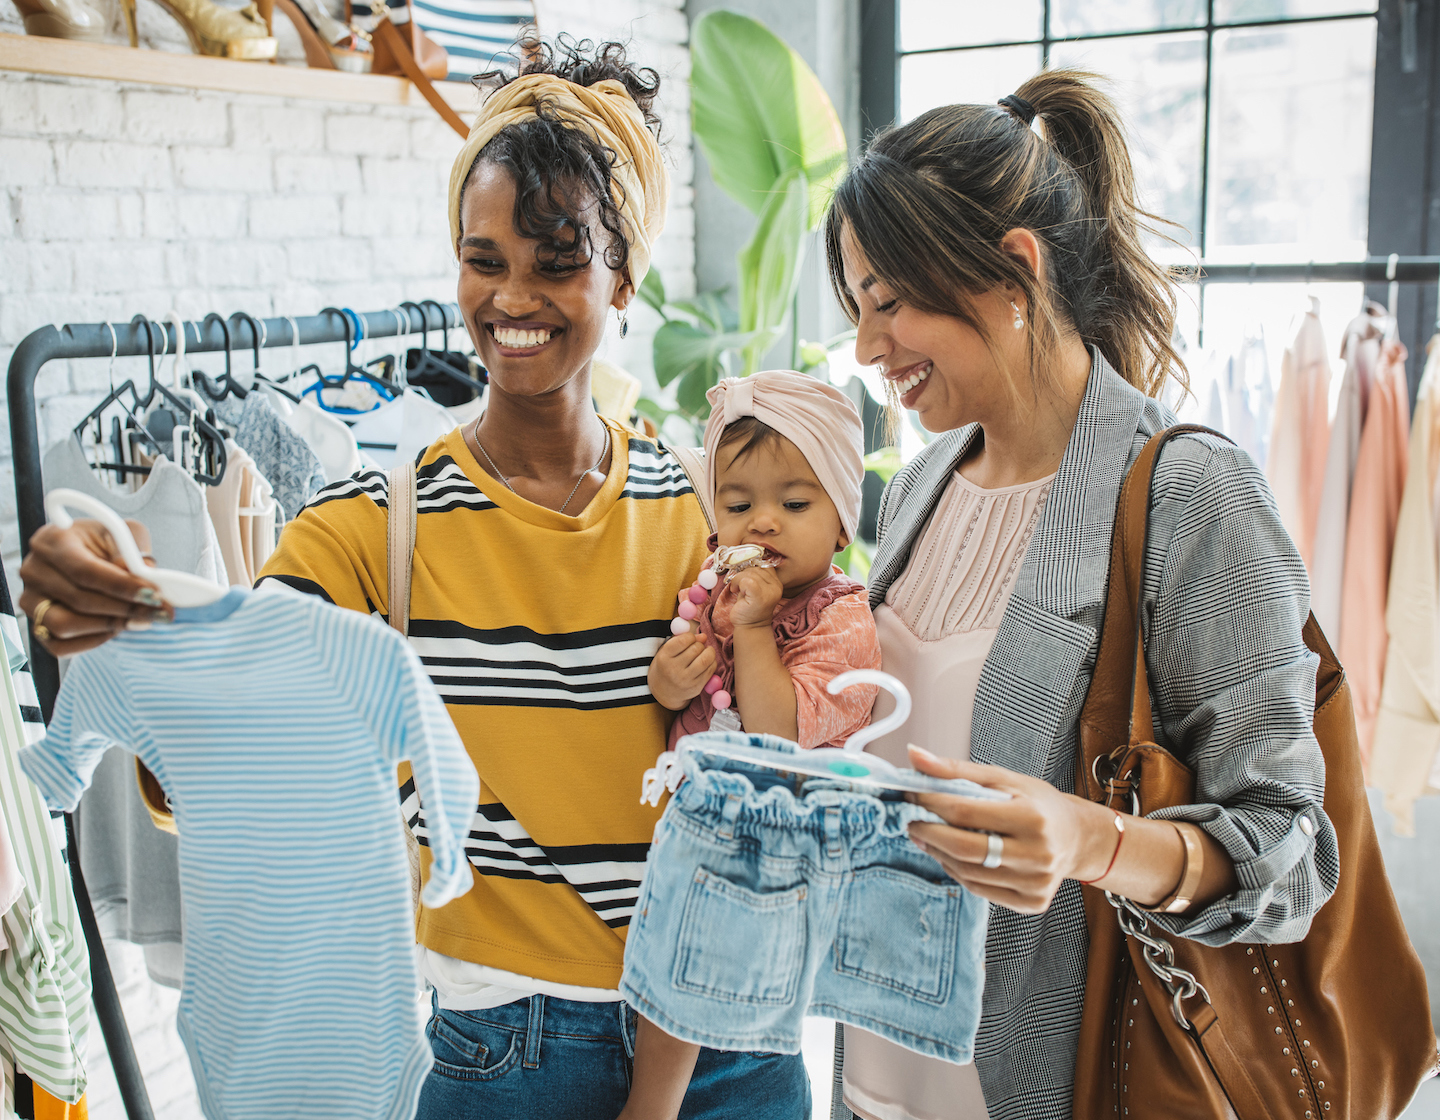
351	369
126	396
208	437
226	385
430	365
260	337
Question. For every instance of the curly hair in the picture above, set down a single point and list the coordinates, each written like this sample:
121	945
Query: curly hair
558	169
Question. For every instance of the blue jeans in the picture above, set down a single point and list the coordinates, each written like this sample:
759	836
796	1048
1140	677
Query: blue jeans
555	1059
763	901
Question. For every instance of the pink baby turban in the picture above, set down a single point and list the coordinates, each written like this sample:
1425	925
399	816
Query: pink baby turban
815	417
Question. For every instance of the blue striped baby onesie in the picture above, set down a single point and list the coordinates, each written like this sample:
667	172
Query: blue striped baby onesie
274	722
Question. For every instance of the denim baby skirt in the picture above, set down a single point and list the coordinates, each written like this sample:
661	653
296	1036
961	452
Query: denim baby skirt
769	896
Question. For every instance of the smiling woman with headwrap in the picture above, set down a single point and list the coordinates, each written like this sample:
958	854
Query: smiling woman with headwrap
549	544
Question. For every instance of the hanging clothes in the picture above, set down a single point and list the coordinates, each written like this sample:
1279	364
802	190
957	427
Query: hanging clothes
243	513
1300	435
1370	538
132	869
331	439
1361	351
281	454
402	428
44	967
275	721
1407	732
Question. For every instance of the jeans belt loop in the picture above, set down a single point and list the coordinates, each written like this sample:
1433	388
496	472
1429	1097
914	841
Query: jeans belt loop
728	816
532	1032
833	847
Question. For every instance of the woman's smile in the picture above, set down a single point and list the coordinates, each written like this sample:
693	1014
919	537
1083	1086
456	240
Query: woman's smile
521	339
908	381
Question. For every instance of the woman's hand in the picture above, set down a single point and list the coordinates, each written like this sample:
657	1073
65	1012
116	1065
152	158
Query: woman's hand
1047	836
91	595
753	594
680	670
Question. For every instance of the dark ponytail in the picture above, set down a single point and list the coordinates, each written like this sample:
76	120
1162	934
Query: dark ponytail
930	201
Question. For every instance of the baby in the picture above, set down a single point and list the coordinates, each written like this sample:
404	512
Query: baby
783	465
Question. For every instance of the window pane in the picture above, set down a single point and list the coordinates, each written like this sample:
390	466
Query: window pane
926	24
1159	83
1238	11
1290	142
1086	17
978	77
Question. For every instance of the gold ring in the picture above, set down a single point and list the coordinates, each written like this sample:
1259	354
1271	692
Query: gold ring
41	609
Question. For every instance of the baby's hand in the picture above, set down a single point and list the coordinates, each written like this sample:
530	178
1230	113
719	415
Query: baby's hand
755	592
680	670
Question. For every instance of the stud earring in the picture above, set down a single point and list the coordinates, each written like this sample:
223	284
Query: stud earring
623	314
1019	322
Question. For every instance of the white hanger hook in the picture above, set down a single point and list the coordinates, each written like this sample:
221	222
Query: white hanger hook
172	318
857	742
114	349
56	512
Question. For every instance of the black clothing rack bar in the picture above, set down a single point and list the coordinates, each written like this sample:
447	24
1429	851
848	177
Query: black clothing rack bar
1375	270
128	340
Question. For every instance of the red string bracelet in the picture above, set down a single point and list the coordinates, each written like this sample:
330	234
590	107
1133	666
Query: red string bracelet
1120	828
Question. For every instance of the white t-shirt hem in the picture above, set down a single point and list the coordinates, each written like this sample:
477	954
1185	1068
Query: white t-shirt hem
467	986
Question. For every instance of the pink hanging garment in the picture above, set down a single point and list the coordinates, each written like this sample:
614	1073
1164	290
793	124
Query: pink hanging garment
1300	437
1370	538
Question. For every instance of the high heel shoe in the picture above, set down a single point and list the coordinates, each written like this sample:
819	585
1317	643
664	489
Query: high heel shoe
63	19
216	31
329	44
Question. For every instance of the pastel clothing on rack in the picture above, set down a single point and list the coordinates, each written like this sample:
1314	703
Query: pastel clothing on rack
132	869
1407	731
275	722
1370	538
44	966
402	428
824	631
468	412
243	512
937	627
1300	437
1361	351
281	455
331	439
542	666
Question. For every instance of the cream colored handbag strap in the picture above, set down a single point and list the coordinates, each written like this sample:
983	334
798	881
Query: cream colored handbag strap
400	560
692	460
400	543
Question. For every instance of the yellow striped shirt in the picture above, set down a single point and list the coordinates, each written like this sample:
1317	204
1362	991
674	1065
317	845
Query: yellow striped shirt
538	629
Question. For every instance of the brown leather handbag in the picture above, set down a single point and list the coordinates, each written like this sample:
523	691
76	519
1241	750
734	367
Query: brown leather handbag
1335	1027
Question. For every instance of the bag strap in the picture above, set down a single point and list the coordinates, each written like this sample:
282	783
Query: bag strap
692	462
400	543
386	32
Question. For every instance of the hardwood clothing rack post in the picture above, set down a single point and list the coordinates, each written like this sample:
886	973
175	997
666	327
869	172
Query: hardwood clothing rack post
95	340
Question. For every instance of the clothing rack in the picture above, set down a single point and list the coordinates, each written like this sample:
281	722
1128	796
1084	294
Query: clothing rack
128	340
1375	270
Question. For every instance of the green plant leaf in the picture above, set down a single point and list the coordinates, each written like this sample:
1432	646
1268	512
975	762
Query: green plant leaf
652	291
759	111
681	348
770	264
885	462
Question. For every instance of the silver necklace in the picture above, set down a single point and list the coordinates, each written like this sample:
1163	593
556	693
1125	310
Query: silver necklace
475	431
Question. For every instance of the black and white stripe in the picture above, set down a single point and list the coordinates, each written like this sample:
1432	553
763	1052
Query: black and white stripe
478	35
442	486
515	666
606	876
372	483
1225	600
654	474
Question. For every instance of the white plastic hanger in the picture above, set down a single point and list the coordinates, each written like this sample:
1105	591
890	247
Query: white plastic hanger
179	589
849	763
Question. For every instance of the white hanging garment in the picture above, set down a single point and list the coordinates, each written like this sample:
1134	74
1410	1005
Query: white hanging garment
402	429
1361	351
330	438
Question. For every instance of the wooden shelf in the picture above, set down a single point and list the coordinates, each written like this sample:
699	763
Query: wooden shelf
36	55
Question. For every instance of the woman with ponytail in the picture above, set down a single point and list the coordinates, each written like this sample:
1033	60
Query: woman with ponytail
992	260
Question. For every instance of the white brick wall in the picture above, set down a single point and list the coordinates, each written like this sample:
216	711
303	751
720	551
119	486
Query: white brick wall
117	199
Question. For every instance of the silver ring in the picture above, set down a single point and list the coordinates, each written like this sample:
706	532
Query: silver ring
993	848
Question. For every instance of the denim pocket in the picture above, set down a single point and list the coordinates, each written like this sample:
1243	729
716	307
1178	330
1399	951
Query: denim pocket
740	945
899	931
464	1047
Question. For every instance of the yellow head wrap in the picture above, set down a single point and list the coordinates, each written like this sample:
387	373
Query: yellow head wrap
606	110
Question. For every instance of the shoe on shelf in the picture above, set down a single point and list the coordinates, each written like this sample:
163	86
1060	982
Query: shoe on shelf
63	19
329	44
213	30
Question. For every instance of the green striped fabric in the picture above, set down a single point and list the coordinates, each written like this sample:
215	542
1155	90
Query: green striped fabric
44	967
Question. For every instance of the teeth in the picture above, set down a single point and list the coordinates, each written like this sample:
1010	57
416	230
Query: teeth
520	340
914	379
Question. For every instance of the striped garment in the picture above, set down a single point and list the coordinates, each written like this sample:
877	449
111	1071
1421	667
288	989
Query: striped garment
44	965
476	34
275	722
538	630
1225	599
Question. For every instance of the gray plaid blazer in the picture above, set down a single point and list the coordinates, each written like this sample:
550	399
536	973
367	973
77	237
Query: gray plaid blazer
1225	599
